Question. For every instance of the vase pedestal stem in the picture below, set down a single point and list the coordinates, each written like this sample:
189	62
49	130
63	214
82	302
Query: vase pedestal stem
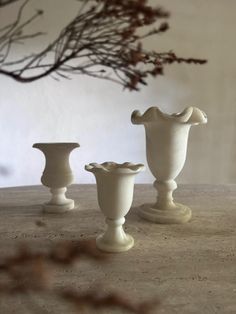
115	239
59	203
165	194
165	210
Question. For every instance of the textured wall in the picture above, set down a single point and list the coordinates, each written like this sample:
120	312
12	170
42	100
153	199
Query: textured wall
97	113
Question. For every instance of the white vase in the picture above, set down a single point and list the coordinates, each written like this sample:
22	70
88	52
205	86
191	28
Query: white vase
166	147
57	175
115	185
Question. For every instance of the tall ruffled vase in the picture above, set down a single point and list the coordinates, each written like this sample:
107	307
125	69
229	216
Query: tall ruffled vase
166	148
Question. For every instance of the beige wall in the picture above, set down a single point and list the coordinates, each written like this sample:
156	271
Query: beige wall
206	28
97	113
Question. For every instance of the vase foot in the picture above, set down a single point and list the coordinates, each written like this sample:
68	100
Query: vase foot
178	215
57	208
117	247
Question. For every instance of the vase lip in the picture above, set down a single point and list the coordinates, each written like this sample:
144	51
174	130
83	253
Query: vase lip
113	167
190	115
56	144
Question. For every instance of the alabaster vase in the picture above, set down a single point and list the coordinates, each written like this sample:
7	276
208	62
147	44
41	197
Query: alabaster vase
57	175
115	185
166	147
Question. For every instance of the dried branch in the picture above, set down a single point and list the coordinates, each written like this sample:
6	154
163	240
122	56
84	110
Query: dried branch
96	301
29	274
12	34
6	2
102	41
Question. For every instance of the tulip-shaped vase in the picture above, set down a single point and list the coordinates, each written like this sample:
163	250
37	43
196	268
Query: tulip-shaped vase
115	185
166	148
57	175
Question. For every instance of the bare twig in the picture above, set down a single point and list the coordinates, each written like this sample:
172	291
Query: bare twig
6	2
102	41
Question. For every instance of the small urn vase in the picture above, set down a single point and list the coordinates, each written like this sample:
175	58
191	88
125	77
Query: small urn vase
115	185
57	175
166	147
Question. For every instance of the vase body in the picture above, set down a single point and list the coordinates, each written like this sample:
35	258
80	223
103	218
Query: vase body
115	185
57	174
166	148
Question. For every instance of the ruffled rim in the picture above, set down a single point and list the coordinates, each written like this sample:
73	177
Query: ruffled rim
113	167
190	115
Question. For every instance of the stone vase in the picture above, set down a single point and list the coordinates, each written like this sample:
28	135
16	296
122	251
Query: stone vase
57	175
166	147
115	185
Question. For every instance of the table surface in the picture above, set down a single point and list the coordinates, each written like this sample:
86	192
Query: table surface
191	268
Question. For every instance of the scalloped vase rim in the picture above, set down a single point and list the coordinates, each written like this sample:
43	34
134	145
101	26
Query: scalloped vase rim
153	113
113	167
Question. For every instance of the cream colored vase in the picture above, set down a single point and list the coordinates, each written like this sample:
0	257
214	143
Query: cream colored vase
115	185
166	147
57	175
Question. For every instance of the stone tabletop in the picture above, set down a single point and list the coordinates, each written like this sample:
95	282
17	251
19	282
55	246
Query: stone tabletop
190	268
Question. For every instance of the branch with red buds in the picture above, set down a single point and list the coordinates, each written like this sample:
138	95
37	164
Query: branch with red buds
102	41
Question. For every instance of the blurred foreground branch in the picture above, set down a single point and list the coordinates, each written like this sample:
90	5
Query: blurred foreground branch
31	273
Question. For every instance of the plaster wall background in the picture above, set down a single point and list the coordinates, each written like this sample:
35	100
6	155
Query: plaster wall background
97	113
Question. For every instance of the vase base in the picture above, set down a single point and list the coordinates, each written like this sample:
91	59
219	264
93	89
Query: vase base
59	209
178	215
117	247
